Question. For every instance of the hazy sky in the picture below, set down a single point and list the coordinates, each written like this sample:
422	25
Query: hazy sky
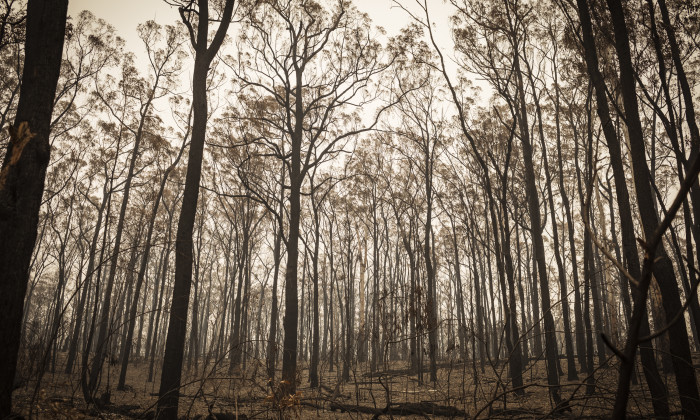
125	15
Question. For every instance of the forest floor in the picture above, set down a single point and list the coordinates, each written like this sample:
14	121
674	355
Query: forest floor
458	393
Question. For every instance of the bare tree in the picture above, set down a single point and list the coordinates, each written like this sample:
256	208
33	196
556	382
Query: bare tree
196	18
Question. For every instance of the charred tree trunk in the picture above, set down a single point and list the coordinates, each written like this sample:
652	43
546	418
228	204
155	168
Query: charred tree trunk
431	300
578	313
568	342
23	174
656	387
274	313
537	241
177	326
315	346
662	267
126	348
291	300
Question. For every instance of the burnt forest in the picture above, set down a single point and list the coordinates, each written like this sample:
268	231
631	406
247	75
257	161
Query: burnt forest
349	209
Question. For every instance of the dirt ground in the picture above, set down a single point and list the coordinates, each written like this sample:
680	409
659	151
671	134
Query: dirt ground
461	391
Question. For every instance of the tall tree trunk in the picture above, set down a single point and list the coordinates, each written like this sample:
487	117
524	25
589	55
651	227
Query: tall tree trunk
104	325
657	389
23	174
515	356
670	124
155	302
74	342
564	296
194	333
662	268
177	326
521	294
89	332
461	324
126	350
348	322
504	265
690	116
291	298
578	313
236	350
533	202
431	300
313	367
274	312
412	310
585	187
375	339
103	334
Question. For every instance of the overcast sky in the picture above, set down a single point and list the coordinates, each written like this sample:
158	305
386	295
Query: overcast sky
125	15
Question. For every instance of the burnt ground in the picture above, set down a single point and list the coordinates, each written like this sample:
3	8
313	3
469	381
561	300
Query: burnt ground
390	393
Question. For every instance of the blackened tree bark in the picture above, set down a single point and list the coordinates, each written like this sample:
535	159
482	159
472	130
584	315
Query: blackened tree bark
663	267
310	37
23	174
291	301
533	201
271	357
585	187
512	339
629	250
235	350
349	275
313	367
126	345
425	131
406	233
317	197
175	342
568	342
515	358
578	313
502	246
588	268
154	329
430	272
671	127
160	74
481	318
689	112
248	221
73	348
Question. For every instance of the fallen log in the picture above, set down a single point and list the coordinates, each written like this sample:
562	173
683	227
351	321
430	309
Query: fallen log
402	409
409	372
